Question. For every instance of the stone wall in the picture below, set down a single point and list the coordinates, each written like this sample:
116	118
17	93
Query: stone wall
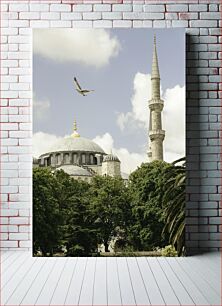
201	19
111	168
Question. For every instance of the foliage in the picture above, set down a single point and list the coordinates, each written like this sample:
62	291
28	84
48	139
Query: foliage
146	187
169	251
174	201
46	220
61	214
141	216
79	235
109	204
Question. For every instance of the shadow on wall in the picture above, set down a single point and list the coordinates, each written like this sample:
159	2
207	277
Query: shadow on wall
192	146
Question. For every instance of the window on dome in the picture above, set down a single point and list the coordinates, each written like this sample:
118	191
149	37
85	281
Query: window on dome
66	158
58	159
91	159
52	159
75	158
83	158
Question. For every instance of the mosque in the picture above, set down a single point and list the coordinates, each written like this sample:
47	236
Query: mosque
82	158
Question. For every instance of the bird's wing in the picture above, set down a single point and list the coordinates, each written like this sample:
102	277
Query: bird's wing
86	90
77	84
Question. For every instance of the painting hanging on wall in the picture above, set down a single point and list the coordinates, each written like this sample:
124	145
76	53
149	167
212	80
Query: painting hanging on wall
108	142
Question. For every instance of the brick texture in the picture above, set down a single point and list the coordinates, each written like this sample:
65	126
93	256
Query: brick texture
201	18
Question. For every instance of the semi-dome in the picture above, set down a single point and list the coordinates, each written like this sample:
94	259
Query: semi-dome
76	144
74	170
111	157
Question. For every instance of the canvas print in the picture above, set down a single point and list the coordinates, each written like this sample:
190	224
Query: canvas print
108	142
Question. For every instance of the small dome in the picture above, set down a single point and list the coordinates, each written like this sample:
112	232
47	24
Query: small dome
111	157
76	144
74	170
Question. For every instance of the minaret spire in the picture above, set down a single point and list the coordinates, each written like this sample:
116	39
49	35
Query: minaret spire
156	134
75	133
155	66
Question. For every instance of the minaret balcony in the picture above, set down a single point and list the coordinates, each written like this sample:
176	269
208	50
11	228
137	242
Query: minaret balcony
157	134
156	104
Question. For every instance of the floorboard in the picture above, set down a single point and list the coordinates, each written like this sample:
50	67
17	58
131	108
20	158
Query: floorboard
46	294
182	295
37	285
110	281
211	261
167	291
113	285
140	291
75	286
10	261
16	279
188	282
210	276
13	270
100	283
4	255
63	283
86	293
126	289
208	292
153	290
23	286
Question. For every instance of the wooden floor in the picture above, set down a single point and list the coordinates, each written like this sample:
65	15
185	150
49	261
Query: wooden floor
110	281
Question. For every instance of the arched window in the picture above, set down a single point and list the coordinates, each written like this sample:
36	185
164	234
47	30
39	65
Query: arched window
52	159
47	161
58	159
91	159
66	158
83	158
74	158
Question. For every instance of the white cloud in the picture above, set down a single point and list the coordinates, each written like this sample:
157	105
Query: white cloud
129	160
41	143
173	115
174	119
105	142
40	108
139	103
94	47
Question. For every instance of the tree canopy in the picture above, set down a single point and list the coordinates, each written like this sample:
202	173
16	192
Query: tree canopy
73	217
46	213
109	202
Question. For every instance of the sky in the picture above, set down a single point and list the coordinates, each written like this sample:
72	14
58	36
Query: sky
116	64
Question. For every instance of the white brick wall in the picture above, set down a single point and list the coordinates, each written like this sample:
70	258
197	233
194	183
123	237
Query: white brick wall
201	19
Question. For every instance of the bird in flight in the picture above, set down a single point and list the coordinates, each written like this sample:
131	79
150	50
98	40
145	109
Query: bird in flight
81	91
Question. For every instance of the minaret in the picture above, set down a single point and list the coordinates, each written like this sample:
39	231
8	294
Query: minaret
156	134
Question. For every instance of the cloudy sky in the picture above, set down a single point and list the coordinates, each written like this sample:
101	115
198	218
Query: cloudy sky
117	65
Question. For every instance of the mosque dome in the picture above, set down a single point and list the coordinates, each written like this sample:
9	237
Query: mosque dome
75	143
80	158
110	157
72	143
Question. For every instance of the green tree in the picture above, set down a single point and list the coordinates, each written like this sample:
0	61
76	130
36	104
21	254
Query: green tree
46	214
109	202
78	230
146	187
174	202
